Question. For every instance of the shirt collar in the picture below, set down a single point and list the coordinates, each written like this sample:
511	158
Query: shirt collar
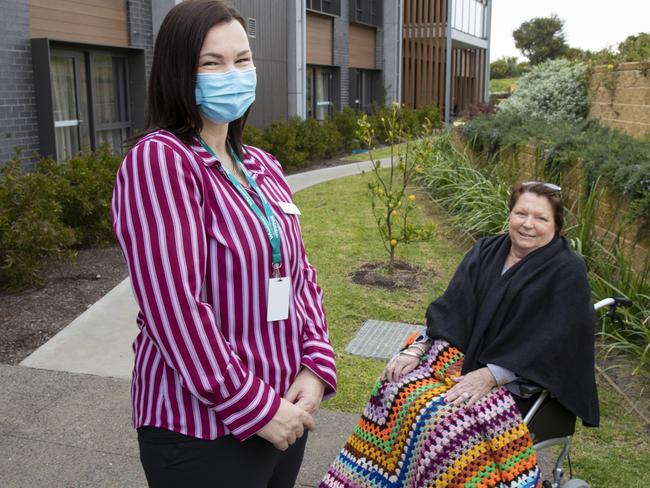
250	162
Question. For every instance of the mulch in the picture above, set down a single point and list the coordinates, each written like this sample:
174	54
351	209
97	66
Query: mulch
31	317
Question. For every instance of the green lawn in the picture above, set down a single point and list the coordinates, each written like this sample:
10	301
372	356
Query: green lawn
380	153
503	85
340	235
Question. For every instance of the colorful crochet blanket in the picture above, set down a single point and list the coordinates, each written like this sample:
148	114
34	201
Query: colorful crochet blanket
409	437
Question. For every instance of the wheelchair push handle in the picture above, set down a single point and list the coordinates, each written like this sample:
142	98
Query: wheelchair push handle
613	302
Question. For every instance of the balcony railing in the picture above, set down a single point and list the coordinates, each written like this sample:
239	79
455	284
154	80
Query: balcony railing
470	17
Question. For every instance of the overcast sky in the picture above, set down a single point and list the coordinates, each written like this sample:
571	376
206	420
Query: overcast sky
588	24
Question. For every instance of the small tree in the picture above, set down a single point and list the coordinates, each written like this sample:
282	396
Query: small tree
391	202
541	39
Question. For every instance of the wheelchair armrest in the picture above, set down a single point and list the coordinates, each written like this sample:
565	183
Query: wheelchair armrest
530	389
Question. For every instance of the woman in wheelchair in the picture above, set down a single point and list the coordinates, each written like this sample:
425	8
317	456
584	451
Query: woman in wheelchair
447	411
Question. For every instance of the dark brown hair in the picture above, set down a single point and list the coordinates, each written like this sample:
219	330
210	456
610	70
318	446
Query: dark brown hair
171	101
548	190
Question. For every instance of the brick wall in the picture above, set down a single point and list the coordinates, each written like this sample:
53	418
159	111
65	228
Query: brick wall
341	57
18	124
141	30
620	97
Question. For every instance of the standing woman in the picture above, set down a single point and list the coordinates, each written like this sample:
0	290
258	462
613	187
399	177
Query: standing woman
233	356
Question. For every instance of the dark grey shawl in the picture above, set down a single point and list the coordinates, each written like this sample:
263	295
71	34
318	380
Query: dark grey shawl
536	319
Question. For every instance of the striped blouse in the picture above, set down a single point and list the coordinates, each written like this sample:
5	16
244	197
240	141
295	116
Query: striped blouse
207	363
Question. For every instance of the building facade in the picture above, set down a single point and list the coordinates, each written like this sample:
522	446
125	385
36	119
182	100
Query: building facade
74	72
445	53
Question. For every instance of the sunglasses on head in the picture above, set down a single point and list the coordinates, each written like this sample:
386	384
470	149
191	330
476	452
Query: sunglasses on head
550	186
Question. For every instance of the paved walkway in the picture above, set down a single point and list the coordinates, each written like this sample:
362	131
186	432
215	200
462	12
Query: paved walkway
65	411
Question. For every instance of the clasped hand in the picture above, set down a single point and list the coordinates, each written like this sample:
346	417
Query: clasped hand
295	413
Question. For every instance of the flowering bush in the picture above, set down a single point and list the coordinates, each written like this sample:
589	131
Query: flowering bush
555	90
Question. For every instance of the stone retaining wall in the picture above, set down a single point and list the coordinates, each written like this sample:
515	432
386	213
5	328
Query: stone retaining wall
620	97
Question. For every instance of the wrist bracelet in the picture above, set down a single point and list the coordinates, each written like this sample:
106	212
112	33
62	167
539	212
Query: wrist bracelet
419	347
409	353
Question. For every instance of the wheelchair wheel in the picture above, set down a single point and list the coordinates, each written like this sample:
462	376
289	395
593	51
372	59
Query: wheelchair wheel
575	483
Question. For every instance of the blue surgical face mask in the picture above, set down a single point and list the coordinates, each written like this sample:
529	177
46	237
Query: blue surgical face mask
224	97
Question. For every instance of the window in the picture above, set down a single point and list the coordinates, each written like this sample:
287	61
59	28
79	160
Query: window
110	102
319	92
69	103
83	96
326	6
366	11
365	89
77	123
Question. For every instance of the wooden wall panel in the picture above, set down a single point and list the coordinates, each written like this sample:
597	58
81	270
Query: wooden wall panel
91	21
468	78
320	43
423	47
362	46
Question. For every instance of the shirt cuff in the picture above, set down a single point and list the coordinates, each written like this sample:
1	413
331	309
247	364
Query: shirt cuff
249	410
320	361
501	375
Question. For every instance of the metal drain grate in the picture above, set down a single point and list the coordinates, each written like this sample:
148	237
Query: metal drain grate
380	340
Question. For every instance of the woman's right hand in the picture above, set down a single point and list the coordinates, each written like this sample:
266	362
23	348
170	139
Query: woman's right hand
399	366
287	425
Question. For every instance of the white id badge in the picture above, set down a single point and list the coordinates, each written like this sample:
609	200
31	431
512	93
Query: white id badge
289	208
277	306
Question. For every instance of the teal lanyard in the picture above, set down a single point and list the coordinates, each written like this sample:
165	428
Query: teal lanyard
268	220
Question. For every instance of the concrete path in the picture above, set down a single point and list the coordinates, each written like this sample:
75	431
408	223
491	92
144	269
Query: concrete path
99	341
64	430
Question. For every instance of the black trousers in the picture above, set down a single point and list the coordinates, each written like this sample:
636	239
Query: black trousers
173	460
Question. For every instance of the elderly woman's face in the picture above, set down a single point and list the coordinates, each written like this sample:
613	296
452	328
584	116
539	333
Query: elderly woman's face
531	224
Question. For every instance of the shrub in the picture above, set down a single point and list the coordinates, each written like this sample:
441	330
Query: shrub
84	186
30	226
477	109
506	67
346	124
619	160
429	113
254	137
411	121
283	143
319	140
555	90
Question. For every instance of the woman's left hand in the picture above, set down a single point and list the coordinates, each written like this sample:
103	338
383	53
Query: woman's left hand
471	387
306	391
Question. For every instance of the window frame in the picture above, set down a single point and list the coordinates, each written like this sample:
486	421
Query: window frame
367	12
328	7
134	83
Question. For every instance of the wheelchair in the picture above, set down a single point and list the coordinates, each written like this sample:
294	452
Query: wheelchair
553	425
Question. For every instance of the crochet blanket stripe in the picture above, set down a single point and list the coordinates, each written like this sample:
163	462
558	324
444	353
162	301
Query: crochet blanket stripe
409	437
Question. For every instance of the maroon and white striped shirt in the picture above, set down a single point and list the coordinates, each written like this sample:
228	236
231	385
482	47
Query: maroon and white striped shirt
207	363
